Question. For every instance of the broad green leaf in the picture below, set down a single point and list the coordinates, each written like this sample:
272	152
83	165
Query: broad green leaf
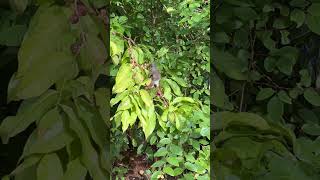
75	171
168	170
145	96
41	76
285	65
50	168
89	156
298	17
51	135
218	94
119	97
173	161
275	108
230	65
123	79
191	166
158	164
174	86
313	22
161	152
284	97
223	119
182	99
93	53
132	119
180	81
150	123
156	175
220	37
312	96
178	171
124	119
38	46
245	13
174	149
97	127
264	93
265	37
27	163
311	129
125	104
30	110
165	141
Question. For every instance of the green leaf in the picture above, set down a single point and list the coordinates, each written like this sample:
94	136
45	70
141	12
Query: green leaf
27	163
161	152
173	161
174	86
51	135
178	171
191	166
231	66
180	81
284	97
89	156
158	164
311	129
75	171
155	175
281	23
312	96
165	141
93	53
97	127
124	119
313	22
298	17
125	104
218	92
182	99
223	119
245	13
41	76
119	97
123	79
168	170
275	108
37	46
50	168
174	149
220	37
264	93
30	110
145	96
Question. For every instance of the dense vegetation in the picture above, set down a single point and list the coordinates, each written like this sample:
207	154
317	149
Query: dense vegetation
169	126
266	89
55	52
57	82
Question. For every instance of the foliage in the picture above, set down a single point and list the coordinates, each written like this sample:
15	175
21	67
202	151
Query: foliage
266	89
175	119
61	55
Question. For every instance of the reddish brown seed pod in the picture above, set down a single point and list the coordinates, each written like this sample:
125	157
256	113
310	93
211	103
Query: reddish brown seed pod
82	10
74	19
75	48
